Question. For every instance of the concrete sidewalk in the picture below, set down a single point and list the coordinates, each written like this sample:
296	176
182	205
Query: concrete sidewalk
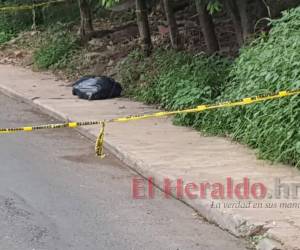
158	149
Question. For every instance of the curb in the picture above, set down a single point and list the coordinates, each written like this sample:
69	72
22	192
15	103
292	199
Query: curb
232	223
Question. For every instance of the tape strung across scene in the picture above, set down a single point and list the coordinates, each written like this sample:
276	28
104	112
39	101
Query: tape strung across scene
29	7
100	141
201	108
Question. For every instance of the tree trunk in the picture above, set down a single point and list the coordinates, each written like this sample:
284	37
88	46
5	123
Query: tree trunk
33	27
173	30
260	9
244	15
233	11
143	24
207	27
86	24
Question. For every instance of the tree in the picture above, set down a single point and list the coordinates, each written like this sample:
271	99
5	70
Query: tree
173	29
207	27
86	20
144	28
233	11
243	16
33	16
244	13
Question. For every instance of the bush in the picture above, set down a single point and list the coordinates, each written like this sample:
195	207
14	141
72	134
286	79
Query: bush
174	80
5	37
56	50
270	64
11	24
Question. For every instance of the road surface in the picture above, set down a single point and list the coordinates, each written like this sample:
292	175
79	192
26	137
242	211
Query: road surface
55	194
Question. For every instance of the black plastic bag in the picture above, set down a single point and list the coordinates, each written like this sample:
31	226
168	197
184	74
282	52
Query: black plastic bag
96	88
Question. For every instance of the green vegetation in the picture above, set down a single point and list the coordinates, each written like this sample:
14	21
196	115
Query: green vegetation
269	64
55	42
56	49
174	80
5	36
11	23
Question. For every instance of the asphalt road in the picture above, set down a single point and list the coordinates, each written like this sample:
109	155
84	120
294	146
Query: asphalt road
55	194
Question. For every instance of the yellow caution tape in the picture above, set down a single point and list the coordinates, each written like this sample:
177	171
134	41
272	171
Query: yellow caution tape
29	7
100	141
201	108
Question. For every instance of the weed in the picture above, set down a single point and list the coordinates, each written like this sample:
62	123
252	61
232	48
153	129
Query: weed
56	51
174	80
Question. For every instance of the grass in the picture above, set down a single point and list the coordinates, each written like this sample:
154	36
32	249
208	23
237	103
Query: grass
57	51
